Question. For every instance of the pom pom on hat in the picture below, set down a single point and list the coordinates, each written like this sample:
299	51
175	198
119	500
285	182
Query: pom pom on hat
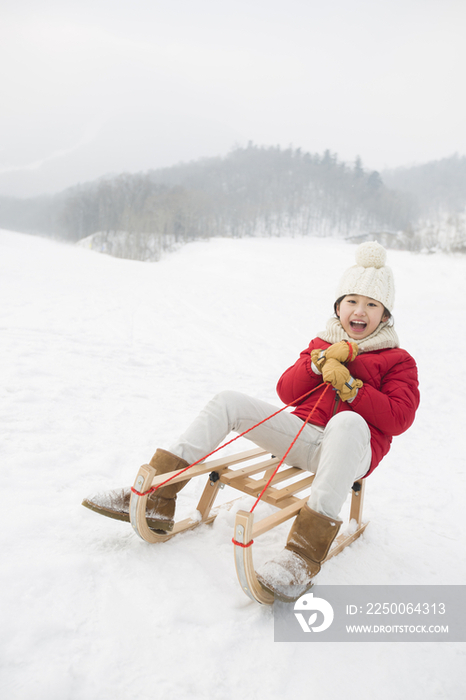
370	276
371	254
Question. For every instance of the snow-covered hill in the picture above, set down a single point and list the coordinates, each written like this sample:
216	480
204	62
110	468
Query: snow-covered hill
103	360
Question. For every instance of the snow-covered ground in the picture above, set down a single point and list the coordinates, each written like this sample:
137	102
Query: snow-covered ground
103	360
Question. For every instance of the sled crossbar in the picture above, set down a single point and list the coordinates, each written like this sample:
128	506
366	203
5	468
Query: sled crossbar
255	469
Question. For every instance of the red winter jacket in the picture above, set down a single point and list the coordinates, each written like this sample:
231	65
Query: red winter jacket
387	401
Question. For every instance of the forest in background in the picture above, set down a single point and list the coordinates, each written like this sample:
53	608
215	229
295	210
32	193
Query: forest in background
254	191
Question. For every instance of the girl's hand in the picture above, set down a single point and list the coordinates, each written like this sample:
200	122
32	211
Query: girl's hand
336	374
342	351
318	359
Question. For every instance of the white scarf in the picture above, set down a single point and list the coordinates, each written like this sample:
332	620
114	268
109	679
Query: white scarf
382	338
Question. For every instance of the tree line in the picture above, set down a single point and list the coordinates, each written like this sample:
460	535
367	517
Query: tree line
256	190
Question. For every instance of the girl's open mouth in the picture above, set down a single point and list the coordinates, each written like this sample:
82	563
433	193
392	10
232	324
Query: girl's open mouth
358	326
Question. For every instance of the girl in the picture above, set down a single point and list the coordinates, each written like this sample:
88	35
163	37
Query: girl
374	396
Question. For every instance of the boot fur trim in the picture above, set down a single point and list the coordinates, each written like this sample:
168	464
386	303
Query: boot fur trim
291	573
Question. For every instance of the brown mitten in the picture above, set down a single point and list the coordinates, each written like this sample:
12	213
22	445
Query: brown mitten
342	351
338	376
318	358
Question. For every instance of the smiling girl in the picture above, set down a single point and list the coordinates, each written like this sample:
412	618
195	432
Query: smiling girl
359	315
374	396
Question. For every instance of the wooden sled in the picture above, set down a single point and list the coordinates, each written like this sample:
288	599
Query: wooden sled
284	498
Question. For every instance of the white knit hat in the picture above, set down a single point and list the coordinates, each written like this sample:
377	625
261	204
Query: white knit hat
370	276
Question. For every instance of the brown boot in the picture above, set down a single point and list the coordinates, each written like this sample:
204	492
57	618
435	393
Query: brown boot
162	503
160	507
291	573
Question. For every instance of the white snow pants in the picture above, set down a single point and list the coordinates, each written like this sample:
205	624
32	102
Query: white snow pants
338	454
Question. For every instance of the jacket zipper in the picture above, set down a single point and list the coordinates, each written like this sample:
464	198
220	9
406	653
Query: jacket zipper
337	399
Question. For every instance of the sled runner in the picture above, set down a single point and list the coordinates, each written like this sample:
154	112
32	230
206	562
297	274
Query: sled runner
254	469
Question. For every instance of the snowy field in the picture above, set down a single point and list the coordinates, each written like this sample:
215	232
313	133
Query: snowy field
103	360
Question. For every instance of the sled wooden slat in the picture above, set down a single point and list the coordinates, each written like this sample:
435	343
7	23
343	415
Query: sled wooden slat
237	474
216	465
343	541
279	476
279	494
277	518
179	475
237	458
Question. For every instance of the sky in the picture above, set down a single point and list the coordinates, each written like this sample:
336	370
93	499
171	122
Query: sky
96	87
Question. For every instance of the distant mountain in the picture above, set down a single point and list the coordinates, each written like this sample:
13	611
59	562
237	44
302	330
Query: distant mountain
439	187
254	191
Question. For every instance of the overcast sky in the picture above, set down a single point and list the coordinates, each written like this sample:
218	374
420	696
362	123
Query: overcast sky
90	87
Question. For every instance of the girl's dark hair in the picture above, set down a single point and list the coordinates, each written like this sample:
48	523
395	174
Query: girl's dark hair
338	302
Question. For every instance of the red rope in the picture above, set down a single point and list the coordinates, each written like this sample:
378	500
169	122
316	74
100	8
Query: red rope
290	447
293	403
240	544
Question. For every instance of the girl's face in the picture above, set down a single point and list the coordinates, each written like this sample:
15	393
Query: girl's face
360	315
